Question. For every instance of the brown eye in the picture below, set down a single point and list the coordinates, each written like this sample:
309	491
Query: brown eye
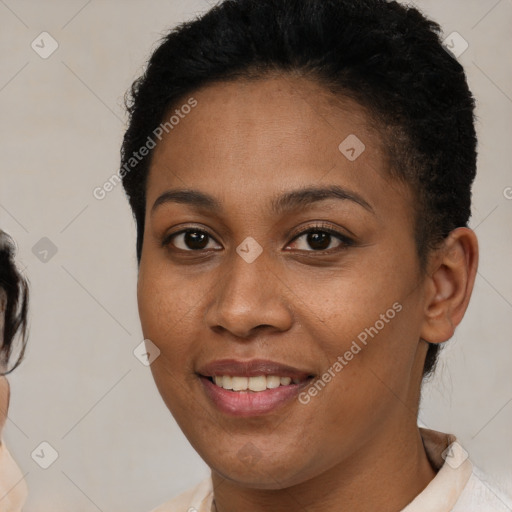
318	239
189	240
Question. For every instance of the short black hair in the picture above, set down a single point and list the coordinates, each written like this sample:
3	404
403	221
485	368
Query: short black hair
14	296
387	56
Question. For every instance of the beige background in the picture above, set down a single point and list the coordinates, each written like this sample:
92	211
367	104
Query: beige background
80	388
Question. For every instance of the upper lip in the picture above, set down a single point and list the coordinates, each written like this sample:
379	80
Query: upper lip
251	368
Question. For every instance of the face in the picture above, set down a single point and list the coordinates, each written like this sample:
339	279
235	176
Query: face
292	255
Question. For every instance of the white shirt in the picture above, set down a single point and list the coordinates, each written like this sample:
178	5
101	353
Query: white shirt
457	487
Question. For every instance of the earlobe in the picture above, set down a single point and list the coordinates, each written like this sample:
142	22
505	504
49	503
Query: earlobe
450	284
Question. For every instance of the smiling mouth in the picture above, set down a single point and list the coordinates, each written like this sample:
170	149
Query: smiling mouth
252	396
253	384
251	387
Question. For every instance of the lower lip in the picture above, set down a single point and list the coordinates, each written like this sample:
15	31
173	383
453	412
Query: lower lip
248	403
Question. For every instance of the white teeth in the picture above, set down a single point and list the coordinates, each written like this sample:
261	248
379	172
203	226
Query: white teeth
227	382
259	383
273	381
239	383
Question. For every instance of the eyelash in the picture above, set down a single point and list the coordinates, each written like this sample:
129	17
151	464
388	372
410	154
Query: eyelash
317	228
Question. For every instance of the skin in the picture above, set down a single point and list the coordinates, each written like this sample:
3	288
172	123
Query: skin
355	446
4	403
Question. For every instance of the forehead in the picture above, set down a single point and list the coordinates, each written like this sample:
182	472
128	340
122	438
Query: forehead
256	137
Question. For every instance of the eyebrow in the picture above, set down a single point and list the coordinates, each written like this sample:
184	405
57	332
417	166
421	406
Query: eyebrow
288	201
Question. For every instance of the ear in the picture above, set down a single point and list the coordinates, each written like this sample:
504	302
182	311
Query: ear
451	276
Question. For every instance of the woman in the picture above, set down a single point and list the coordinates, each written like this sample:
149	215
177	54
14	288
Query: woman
300	173
13	322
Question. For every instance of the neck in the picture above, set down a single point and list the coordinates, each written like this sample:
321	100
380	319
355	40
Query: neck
386	474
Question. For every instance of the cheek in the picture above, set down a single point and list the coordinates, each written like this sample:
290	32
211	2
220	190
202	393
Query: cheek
368	315
164	301
343	303
165	316
166	320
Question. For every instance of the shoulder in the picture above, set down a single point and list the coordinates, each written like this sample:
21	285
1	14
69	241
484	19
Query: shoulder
197	499
482	493
458	486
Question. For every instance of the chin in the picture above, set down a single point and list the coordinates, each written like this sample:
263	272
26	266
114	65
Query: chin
258	480
260	472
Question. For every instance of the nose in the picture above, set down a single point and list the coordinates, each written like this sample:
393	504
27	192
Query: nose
248	298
